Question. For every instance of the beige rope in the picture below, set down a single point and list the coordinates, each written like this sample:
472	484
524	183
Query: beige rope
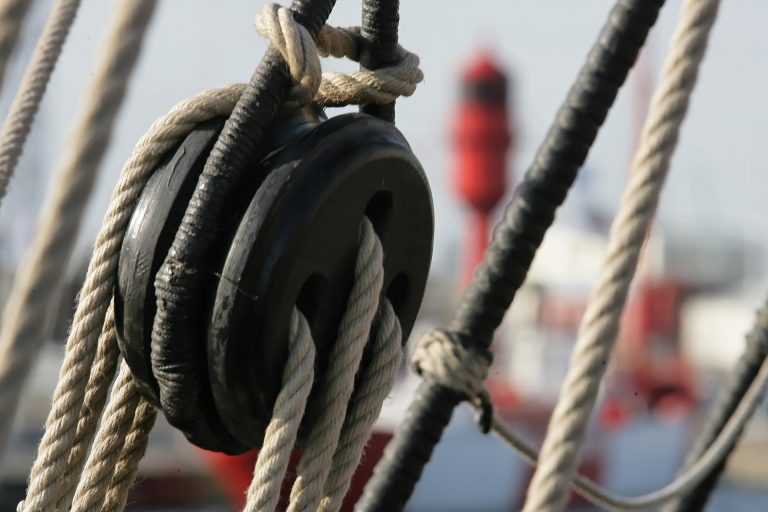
24	326
301	53
685	482
550	487
375	384
108	445
33	85
133	451
12	16
96	294
280	436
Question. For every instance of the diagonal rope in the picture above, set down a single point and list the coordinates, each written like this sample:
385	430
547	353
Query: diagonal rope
12	16
24	327
550	487
33	85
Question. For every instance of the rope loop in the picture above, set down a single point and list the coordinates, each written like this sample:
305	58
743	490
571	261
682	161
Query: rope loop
302	55
444	358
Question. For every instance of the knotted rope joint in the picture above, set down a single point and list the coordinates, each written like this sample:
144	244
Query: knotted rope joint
302	55
444	358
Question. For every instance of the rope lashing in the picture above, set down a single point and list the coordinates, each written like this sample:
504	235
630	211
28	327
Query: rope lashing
302	54
550	489
30	93
515	241
379	30
443	359
90	359
23	329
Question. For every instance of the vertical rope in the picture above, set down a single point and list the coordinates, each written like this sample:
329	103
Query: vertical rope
33	85
375	383
61	426
550	487
339	379
272	464
24	327
12	16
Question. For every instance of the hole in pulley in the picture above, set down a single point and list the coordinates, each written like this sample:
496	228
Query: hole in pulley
379	210
397	291
311	295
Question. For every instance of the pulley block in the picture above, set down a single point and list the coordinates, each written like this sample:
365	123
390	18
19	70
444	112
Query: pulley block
288	238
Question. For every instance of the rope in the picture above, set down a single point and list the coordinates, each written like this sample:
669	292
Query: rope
444	360
75	377
550	488
515	241
302	54
90	360
33	85
749	364
12	16
692	475
440	357
345	415
24	325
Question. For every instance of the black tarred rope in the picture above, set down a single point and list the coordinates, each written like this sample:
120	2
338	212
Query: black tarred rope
515	240
379	32
181	278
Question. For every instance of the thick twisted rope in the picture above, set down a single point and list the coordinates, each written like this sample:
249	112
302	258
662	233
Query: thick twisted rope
344	413
550	487
25	326
33	85
96	294
71	423
12	16
302	53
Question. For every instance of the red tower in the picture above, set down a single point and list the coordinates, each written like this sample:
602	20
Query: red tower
482	138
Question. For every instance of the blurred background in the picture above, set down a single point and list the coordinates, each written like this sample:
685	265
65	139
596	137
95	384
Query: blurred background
702	277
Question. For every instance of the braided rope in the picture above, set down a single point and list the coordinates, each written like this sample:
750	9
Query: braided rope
27	100
550	487
12	16
24	325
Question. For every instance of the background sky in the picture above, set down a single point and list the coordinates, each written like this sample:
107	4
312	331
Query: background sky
718	181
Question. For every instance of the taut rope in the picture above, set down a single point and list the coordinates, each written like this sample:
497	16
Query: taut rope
550	487
25	326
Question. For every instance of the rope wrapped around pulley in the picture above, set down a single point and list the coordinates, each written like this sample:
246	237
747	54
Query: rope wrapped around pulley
344	189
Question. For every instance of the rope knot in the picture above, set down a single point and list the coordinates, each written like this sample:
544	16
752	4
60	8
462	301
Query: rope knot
302	55
442	357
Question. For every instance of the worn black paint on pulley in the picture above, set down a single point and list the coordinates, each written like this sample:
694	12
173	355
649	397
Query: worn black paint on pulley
147	239
297	244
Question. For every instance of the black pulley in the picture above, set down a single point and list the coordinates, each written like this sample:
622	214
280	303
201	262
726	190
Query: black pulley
290	240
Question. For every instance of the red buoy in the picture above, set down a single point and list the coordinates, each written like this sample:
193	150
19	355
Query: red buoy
483	139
